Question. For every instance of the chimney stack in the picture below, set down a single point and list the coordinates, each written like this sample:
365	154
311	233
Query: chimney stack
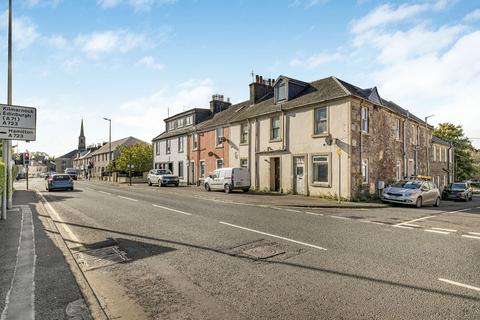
218	104
260	88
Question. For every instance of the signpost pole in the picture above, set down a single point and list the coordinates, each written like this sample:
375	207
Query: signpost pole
8	164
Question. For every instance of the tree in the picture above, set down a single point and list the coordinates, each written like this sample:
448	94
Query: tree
463	148
140	156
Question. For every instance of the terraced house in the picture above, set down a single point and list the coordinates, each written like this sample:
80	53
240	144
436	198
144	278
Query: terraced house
320	138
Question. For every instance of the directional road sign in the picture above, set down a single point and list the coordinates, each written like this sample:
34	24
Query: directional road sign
17	122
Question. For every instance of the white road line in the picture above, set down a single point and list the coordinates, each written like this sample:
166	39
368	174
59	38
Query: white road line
56	217
339	217
436	231
170	209
402	226
104	192
314	213
293	210
442	229
373	222
459	284
474	233
413	225
414	220
127	198
20	298
471	237
461	210
272	235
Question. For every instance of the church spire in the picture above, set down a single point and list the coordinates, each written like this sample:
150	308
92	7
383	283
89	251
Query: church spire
81	138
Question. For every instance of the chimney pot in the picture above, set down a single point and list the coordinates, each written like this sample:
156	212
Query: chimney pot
257	78
261	79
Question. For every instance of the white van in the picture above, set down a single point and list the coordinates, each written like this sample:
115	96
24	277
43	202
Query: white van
228	179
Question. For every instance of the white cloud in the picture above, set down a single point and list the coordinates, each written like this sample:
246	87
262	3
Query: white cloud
473	16
443	4
387	14
35	3
24	31
150	62
108	3
107	42
57	41
138	5
145	115
315	60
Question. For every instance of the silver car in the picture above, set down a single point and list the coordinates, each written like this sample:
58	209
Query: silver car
412	192
162	177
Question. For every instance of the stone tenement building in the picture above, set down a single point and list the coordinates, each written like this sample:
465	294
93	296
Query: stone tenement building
320	138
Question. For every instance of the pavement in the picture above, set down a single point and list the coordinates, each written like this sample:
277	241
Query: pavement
35	277
179	253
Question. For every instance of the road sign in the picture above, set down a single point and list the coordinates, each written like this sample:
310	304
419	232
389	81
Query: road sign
18	123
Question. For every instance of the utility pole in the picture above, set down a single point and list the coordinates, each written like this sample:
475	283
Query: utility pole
7	189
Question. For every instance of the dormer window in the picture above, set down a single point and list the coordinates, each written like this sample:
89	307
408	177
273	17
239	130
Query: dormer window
280	91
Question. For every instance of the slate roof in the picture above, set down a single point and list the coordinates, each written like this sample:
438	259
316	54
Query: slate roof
438	140
173	133
69	155
128	141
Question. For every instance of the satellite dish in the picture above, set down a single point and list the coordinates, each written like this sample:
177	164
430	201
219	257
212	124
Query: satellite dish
328	140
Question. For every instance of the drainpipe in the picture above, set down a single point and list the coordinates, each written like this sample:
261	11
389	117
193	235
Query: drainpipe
249	158
257	173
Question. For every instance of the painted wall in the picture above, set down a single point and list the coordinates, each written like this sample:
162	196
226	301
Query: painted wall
161	157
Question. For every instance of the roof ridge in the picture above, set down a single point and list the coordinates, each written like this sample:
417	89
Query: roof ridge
338	81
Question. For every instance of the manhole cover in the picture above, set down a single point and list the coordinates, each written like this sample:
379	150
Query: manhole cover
264	252
99	258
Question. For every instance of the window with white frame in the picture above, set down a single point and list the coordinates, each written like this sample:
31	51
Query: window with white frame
280	91
168	146
320	166
415	135
219	163
364	119
157	147
180	144
180	169
434	153
321	121
188	120
275	128
219	136
202	168
440	151
244	132
180	123
365	171
194	141
446	154
397	129
244	163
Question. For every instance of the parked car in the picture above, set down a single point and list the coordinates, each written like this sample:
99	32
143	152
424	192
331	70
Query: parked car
162	177
412	192
458	191
20	175
228	179
59	182
72	173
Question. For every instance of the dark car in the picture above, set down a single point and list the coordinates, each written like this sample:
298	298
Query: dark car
72	173
59	182
458	191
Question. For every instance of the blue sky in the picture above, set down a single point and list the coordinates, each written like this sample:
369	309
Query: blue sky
131	60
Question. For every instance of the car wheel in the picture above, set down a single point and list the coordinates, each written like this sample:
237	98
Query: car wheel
49	190
227	188
176	184
437	203
418	203
207	187
245	189
149	183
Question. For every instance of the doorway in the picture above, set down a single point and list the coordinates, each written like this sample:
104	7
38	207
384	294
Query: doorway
299	175
275	174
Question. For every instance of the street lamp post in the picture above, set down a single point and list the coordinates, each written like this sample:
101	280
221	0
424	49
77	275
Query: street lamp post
109	144
427	143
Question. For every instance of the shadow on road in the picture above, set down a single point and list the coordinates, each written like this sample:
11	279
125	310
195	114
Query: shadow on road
289	264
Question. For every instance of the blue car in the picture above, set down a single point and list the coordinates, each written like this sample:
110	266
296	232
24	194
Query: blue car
59	182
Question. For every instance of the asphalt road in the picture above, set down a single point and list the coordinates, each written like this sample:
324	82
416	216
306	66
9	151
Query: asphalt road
192	256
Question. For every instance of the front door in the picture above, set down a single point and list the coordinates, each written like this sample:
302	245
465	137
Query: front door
275	174
193	179
299	175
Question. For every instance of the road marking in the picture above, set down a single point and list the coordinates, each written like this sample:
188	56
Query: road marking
339	217
469	236
442	229
127	198
437	231
272	235
104	192
413	225
20	298
402	226
459	284
414	220
474	233
314	213
56	217
461	210
372	222
170	209
293	210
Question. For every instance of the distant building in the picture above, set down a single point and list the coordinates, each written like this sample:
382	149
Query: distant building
66	161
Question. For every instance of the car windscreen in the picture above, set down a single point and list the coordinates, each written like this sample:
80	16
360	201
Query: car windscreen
164	171
62	177
459	186
407	184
